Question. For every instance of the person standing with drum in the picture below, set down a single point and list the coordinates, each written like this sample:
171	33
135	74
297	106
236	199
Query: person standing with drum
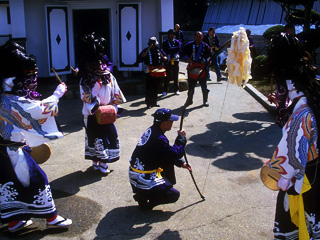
26	122
153	58
172	48
101	96
197	53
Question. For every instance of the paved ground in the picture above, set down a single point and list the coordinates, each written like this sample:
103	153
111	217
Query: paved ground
227	144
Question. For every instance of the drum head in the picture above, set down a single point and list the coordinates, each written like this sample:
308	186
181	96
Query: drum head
160	70
196	70
270	177
41	153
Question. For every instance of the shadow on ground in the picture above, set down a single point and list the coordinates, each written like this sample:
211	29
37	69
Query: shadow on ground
70	115
84	213
71	183
232	138
131	223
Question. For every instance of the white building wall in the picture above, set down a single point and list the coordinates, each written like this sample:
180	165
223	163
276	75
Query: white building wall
36	33
18	28
149	26
155	16
5	28
167	16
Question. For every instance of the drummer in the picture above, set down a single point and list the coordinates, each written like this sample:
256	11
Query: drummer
296	157
152	57
26	121
99	87
172	48
197	51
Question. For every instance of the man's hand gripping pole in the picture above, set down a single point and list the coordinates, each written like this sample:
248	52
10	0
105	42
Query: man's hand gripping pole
185	156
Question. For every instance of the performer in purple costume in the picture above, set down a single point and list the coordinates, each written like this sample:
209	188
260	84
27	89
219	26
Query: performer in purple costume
151	170
172	48
193	52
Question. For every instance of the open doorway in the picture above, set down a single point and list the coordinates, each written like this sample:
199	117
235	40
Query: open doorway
86	21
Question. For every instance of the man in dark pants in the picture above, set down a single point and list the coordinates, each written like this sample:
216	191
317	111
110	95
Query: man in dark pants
213	42
151	170
153	57
197	53
172	48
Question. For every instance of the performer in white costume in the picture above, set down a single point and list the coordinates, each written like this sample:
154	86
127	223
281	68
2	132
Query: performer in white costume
25	121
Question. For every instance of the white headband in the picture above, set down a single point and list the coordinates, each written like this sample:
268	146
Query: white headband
7	84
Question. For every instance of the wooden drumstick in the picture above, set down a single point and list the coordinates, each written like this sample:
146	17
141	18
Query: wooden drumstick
149	48
161	54
57	76
192	54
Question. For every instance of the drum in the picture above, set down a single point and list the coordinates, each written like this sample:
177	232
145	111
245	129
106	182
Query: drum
270	177
41	153
196	70
106	114
157	72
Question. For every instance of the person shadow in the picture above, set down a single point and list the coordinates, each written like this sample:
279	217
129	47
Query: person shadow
130	222
239	146
70	184
70	116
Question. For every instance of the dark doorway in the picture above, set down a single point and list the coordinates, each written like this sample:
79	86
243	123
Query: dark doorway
88	21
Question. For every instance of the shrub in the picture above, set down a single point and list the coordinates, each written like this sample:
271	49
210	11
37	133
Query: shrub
297	17
258	67
272	31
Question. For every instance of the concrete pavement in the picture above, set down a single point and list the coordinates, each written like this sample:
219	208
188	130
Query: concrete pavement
227	144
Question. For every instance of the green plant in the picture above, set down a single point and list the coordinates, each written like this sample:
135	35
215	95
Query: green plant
275	30
258	67
297	17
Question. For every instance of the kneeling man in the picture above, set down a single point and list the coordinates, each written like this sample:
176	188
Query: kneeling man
152	163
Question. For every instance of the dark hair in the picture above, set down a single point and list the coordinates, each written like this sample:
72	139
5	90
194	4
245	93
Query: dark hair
211	28
14	60
92	47
285	54
288	60
288	26
171	31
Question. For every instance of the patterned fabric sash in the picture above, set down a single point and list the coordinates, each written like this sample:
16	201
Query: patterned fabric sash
159	170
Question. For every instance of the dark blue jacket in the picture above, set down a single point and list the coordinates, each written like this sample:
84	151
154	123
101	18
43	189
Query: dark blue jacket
153	151
153	57
199	54
172	48
215	43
